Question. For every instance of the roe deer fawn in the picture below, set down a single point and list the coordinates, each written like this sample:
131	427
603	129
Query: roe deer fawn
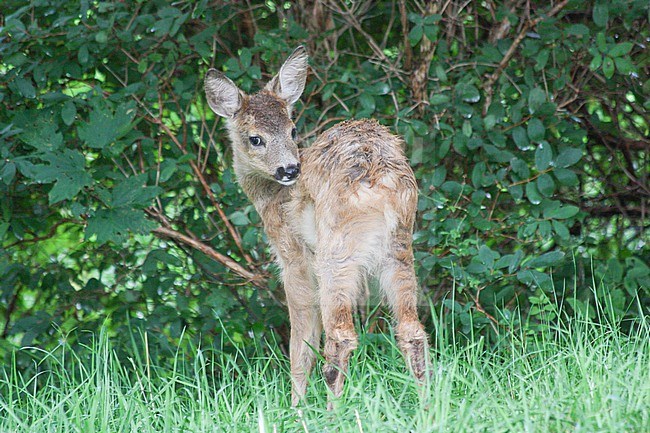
335	214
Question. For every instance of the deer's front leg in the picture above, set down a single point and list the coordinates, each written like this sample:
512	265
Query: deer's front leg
304	315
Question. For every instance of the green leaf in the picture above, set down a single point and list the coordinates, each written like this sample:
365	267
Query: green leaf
546	260
105	126
533	277
561	229
431	32
239	218
624	65
489	122
68	112
452	189
25	88
487	256
443	148
474	143
439	98
470	93
547	109
504	261
568	157
578	30
497	155
419	127
114	225
432	19
614	271
415	35
536	98
543	156
565	177
621	49
545	229
477	174
549	206
476	267
532	193
638	275
101	37
8	172
415	18
596	62
150	265
467	128
516	191
378	89
530	228
4	226
520	168
601	42
367	102
66	168
520	138
541	59
245	57
546	185
39	129
608	67
441	73
583	308
601	13
439	175
536	130
478	196
255	72
83	55
132	192
167	169
562	213
409	135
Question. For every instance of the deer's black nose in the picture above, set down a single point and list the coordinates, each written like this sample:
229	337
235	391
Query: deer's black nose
290	172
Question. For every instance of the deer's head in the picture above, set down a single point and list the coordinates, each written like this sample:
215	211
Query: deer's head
262	132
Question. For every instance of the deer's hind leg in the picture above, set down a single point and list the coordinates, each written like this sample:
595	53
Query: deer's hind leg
399	285
339	283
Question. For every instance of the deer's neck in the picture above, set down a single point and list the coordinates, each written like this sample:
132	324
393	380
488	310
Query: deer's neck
266	195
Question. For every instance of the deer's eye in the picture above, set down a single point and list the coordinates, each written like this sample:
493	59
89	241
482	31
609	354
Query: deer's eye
294	133
256	141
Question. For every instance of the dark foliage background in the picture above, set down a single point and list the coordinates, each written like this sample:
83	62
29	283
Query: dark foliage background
526	123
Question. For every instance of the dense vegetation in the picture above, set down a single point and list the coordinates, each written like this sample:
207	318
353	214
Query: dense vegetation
585	377
526	123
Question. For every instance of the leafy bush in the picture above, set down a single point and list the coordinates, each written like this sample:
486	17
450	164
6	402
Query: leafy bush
527	129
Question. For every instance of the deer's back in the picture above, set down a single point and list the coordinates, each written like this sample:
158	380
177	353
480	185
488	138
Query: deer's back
355	177
354	157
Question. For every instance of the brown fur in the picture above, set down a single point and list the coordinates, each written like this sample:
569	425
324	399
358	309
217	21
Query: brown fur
349	217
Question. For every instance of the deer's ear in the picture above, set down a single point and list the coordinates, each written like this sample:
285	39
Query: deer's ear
222	94
290	81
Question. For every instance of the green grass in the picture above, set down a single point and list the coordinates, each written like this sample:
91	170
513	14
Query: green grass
581	377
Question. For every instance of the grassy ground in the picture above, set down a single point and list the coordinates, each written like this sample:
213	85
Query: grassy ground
582	377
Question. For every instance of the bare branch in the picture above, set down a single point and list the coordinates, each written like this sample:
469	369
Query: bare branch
191	241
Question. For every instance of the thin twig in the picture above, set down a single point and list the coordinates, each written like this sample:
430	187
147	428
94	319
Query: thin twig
477	304
492	78
199	175
51	233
